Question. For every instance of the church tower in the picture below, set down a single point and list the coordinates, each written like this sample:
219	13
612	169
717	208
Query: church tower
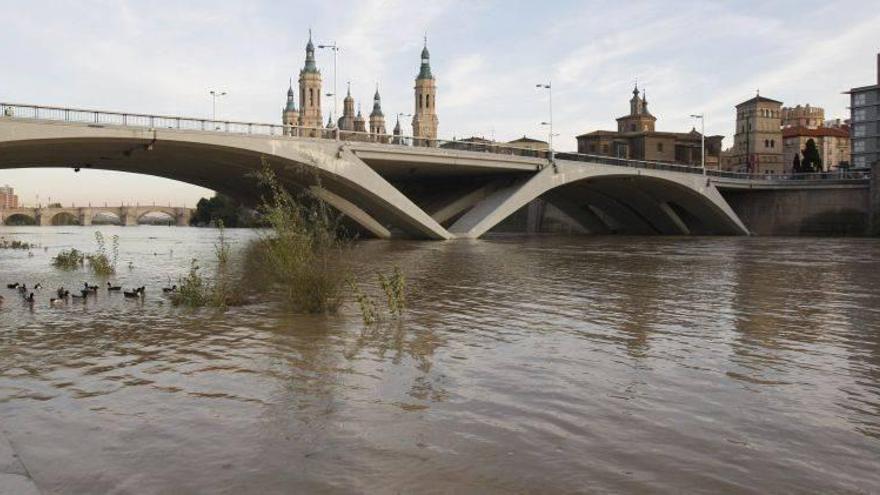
360	123
425	117
289	116
310	90
377	118
346	121
639	118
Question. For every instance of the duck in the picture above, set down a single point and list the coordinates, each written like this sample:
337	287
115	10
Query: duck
29	299
113	288
60	292
80	296
38	286
60	300
90	288
12	286
166	290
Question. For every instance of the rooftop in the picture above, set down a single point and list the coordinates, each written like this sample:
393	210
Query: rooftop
819	132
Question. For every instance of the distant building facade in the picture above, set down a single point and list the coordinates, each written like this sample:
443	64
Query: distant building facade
637	138
8	199
833	144
757	143
865	123
425	122
529	144
803	116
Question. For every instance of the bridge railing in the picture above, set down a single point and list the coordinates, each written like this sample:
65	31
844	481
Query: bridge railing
103	118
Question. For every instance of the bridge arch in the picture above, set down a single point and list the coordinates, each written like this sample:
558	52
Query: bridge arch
605	198
62	217
169	213
222	162
19	218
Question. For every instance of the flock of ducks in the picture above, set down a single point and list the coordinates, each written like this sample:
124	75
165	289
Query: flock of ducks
64	296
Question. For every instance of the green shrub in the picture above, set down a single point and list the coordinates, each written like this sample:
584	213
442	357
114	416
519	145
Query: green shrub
69	259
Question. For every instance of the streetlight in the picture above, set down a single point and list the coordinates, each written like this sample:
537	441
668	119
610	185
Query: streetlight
214	96
702	140
332	46
549	88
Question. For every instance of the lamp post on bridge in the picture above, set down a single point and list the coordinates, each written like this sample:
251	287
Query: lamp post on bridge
332	46
702	140
214	96
549	87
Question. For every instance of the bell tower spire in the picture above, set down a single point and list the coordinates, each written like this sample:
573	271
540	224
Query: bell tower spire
310	90
425	120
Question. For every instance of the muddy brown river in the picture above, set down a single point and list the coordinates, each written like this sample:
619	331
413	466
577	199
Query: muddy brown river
523	365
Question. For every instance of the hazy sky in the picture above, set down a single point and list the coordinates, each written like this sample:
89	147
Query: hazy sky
162	57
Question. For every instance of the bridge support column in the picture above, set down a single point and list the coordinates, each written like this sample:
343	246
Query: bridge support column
85	216
43	218
350	210
128	217
579	213
182	217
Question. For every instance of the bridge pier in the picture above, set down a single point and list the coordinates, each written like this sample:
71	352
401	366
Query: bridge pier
85	216
128	216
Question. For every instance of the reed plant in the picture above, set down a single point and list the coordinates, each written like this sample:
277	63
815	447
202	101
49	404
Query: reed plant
69	259
100	263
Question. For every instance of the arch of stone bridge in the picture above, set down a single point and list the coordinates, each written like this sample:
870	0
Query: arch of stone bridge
144	211
54	215
222	162
605	198
5	217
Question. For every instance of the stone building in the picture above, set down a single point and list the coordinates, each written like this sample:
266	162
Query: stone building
425	120
757	144
865	119
8	199
636	138
529	144
290	116
833	144
803	116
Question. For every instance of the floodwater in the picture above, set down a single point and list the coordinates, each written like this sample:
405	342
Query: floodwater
523	365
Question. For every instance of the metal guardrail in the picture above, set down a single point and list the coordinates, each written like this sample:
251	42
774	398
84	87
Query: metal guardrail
103	118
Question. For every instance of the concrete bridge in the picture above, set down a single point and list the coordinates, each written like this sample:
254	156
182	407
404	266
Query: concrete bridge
389	186
127	215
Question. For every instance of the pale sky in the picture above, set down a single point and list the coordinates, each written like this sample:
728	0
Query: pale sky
163	57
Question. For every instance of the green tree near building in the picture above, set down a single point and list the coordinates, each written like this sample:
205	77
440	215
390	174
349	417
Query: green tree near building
812	161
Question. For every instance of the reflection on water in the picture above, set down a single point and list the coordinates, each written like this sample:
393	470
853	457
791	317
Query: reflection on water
538	364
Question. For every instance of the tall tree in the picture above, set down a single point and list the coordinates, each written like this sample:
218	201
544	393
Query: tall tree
812	161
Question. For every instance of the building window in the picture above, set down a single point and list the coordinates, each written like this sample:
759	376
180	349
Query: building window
859	161
311	97
660	147
859	146
632	128
860	114
605	149
860	99
592	148
766	143
859	130
773	143
427	101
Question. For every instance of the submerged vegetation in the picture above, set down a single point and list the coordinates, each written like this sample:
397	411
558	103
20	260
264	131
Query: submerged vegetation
101	263
16	244
69	259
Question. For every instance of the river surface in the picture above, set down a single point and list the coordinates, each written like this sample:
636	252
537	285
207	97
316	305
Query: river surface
523	365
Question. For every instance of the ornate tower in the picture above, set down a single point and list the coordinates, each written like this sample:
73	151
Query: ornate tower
397	139
289	116
377	118
346	121
425	117
360	124
639	118
310	90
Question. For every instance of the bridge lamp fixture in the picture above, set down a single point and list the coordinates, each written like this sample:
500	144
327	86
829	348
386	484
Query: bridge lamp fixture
332	46
702	140
214	96
549	87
